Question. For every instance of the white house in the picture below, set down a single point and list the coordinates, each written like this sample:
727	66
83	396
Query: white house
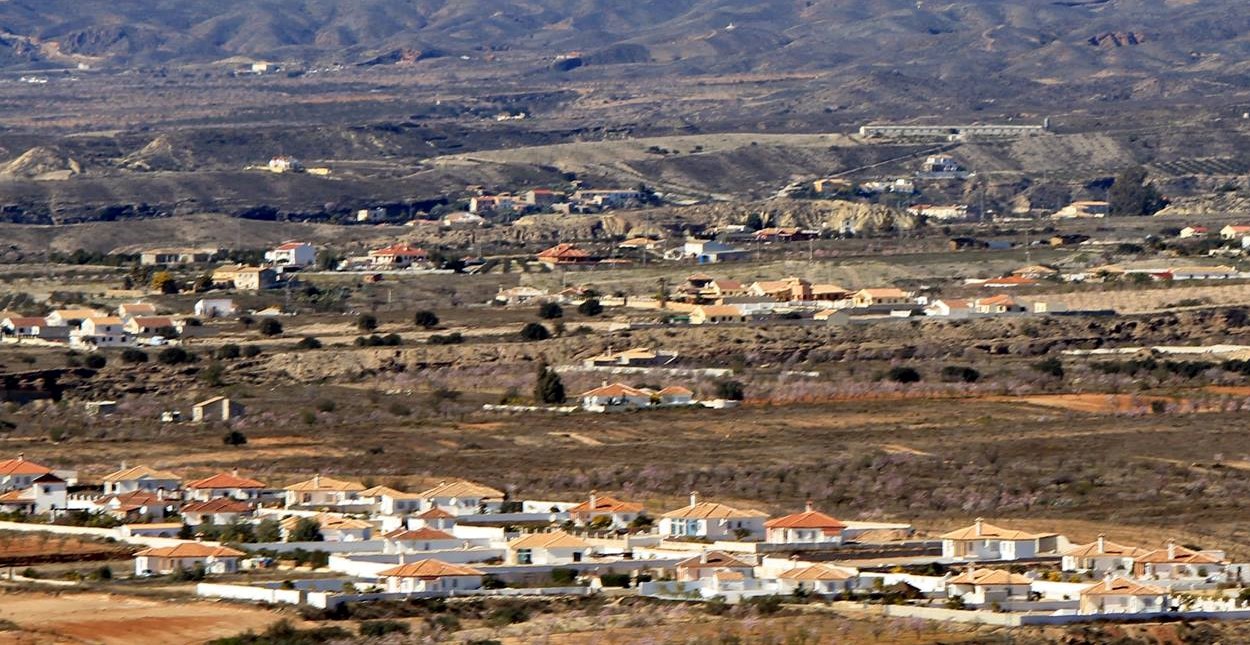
423	539
616	396
22	326
215	308
20	473
1234	232
461	498
103	331
819	579
1123	596
187	556
71	317
140	478
46	493
675	395
323	491
430	575
984	541
1175	562
334	528
708	563
548	549
225	485
221	511
397	256
950	308
809	527
986	586
435	518
712	521
1101	557
604	511
388	501
135	506
293	254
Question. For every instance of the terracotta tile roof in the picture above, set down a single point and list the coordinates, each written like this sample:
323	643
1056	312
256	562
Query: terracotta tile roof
615	390
323	483
330	522
1010	281
564	251
1179	555
191	550
419	534
676	390
816	572
462	489
436	514
711	511
25	495
133	500
154	321
1104	548
715	560
994	301
26	321
105	320
136	473
729	575
883	292
225	480
399	250
219	505
720	311
727	285
989	577
387	491
21	466
289	246
428	569
607	504
553	540
808	519
1122	587
984	530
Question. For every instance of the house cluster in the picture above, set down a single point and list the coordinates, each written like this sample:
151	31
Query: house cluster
541	200
618	397
89	328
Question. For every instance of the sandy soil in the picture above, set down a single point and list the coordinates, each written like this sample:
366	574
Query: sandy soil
107	619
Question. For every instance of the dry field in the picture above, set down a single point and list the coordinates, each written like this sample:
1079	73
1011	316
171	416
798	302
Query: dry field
17	549
105	619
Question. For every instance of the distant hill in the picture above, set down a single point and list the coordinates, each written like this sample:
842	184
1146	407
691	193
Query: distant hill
1004	43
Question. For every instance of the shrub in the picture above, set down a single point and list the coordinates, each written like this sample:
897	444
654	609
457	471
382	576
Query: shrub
548	388
308	342
425	319
550	311
270	327
534	332
234	438
399	409
902	374
454	338
250	351
326	405
96	361
378	628
508	613
306	529
227	351
1050	367
308	417
960	373
173	356
731	390
133	356
563	577
211	375
590	307
367	322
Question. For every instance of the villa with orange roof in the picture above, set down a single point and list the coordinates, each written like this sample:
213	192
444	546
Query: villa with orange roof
140	478
397	256
1101	556
423	539
225	485
185	557
809	527
322	491
1175	562
430	575
712	521
708	563
820	579
984	541
221	511
604	511
292	254
1123	596
565	254
461	498
434	518
388	501
615	396
45	493
985	586
334	527
20	473
555	548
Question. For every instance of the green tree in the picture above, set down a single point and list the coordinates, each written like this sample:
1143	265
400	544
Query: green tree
164	282
96	361
590	307
425	319
1050	367
173	356
367	322
755	222
306	529
270	327
730	390
234	438
211	375
548	388
1131	196
268	530
900	374
202	283
535	331
132	356
308	342
227	351
550	311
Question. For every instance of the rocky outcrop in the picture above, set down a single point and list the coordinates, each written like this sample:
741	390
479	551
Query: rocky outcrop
42	163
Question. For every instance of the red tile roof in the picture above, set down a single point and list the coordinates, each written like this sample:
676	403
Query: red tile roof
226	480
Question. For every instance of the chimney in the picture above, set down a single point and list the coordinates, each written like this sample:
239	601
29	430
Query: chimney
694	498
1171	549
594	499
123	464
21	456
317	480
235	472
808	506
1102	543
703	557
160	494
401	557
979	522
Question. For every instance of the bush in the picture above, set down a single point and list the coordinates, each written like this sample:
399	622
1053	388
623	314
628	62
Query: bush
389	340
563	577
399	409
590	307
234	438
534	332
454	338
1050	367
903	375
367	322
549	388
270	327
308	342
731	390
378	628
508	613
173	356
425	319
212	374
614	579
250	351
960	373
326	405
133	356
96	362
550	311
227	351
306	529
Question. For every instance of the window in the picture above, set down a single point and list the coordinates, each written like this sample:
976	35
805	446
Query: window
525	556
